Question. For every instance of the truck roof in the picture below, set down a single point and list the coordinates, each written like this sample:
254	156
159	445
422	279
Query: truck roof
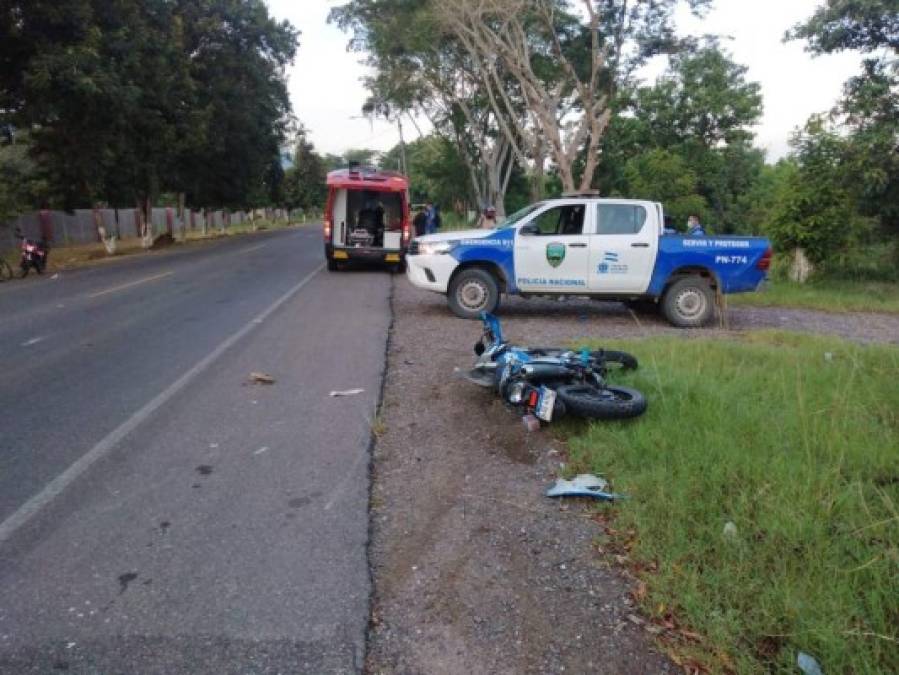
368	179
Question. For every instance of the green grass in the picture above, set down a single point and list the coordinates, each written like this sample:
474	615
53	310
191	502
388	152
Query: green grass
831	296
794	439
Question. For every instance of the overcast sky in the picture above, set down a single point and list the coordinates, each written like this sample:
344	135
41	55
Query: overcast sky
327	94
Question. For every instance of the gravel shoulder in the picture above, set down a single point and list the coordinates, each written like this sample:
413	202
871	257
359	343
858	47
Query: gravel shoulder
473	569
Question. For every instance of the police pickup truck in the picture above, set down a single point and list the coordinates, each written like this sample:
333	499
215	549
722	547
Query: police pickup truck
606	249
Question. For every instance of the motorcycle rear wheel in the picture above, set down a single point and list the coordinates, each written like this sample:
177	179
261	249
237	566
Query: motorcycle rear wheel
608	403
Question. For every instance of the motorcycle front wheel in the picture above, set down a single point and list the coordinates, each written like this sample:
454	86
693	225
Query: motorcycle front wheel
608	403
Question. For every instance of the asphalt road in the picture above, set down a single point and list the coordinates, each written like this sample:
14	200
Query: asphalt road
157	513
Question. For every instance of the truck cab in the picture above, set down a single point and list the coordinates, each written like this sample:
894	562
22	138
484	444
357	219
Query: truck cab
366	217
606	249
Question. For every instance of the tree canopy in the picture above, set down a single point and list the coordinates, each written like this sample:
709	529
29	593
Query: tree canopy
131	98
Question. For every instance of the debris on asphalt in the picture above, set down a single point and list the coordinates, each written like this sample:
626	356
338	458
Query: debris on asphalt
347	392
531	423
264	448
261	378
808	664
583	485
55	276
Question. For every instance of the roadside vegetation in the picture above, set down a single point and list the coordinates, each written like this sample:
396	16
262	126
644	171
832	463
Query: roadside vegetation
763	509
829	295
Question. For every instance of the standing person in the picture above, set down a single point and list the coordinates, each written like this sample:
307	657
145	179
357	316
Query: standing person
694	228
419	221
488	219
437	220
430	218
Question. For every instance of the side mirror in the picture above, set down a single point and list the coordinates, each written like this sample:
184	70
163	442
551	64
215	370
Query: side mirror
529	230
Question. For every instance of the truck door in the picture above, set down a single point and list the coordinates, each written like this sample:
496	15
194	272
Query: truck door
623	249
552	250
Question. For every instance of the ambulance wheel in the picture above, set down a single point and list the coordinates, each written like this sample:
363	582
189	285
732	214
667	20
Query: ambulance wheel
473	291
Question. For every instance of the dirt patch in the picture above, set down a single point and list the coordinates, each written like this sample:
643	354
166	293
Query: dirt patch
474	570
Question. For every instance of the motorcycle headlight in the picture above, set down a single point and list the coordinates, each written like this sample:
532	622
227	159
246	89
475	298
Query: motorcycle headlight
435	247
516	393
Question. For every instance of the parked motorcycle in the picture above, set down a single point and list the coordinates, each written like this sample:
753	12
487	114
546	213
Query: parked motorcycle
549	382
33	255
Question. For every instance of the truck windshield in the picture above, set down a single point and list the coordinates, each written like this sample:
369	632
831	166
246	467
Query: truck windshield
518	215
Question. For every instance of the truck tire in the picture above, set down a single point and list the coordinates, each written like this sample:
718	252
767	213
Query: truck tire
471	292
689	303
609	403
332	265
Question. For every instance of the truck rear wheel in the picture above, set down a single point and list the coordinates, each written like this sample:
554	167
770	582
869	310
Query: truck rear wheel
332	265
471	292
689	303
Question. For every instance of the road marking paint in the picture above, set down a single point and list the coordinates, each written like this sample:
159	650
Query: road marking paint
55	488
252	248
130	284
34	341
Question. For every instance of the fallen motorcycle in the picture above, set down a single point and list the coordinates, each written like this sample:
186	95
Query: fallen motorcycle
549	382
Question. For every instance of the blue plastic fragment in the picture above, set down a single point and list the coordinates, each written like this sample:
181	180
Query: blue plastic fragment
583	485
808	665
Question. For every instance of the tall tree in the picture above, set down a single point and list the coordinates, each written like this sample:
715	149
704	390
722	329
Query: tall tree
866	119
701	109
131	98
567	60
304	182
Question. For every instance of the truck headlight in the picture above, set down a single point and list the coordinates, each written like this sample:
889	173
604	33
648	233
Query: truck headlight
435	247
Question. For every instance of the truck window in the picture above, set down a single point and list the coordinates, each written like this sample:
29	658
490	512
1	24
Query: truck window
567	219
619	218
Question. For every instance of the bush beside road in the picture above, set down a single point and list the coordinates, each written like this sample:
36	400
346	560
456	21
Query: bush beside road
791	438
825	295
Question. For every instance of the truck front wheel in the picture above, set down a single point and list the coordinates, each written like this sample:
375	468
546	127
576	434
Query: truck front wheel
689	303
471	292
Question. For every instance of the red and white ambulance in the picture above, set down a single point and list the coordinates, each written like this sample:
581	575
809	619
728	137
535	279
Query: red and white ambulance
367	217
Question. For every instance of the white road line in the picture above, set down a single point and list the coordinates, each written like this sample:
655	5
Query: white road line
34	341
252	248
56	487
130	284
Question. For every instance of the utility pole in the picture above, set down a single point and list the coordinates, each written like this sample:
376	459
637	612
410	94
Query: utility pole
399	124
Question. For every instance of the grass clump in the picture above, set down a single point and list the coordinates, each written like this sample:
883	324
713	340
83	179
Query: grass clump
795	440
826	295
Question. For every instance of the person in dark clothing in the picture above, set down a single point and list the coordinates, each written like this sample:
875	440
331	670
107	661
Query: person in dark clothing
694	228
420	221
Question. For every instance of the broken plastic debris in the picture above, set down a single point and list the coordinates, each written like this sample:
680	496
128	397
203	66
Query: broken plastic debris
261	378
531	423
583	485
55	276
808	665
730	530
264	448
347	392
